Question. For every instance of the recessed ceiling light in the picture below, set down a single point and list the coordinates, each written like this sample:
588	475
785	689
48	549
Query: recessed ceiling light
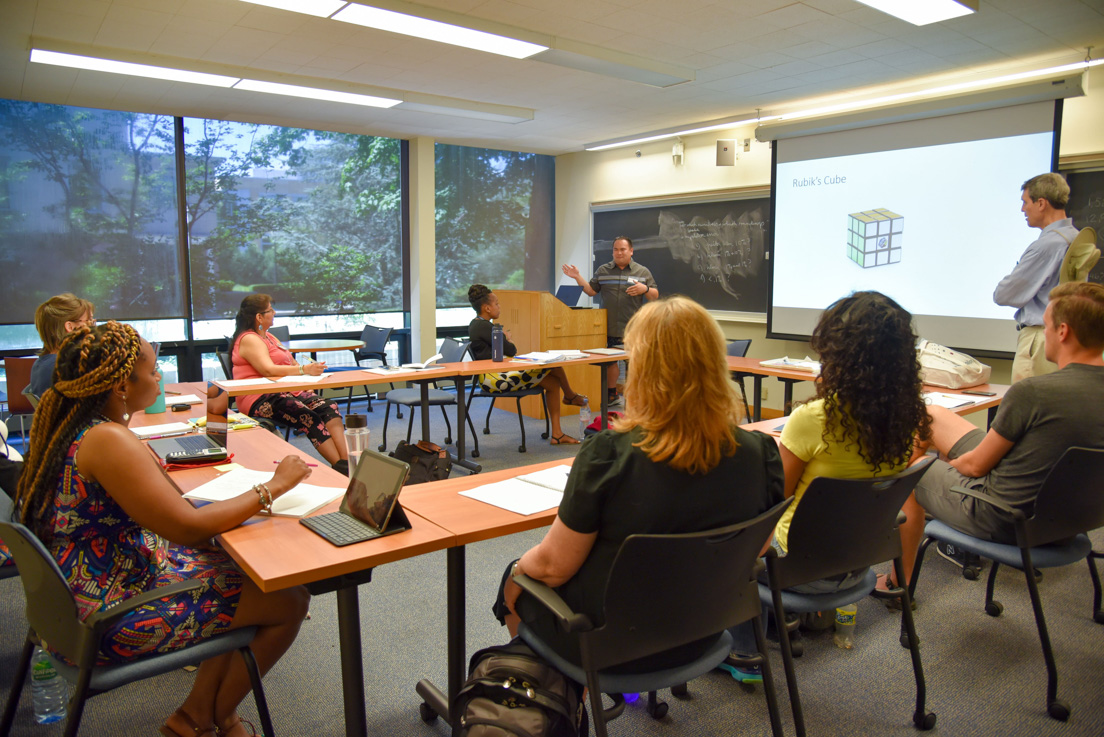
320	8
112	66
432	30
314	93
923	12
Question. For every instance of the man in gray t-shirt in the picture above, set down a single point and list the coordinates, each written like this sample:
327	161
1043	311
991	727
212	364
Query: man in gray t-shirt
1038	420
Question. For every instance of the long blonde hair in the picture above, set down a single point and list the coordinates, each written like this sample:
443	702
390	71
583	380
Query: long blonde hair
678	391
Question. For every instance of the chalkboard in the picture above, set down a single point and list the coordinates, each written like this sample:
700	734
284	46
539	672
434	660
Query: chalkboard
714	251
1086	207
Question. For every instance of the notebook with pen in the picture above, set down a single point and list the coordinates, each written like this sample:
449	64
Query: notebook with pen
200	447
370	507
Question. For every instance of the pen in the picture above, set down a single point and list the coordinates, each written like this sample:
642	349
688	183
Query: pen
312	465
169	435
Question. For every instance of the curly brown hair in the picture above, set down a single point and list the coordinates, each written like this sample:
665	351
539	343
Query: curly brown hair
870	377
90	363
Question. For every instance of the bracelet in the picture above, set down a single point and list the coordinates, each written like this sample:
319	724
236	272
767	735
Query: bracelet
268	497
300	369
514	572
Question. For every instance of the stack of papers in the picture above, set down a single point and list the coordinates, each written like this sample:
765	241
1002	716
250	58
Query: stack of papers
950	401
797	364
528	494
549	356
299	502
182	399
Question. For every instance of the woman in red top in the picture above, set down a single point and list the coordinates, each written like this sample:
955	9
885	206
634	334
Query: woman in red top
257	354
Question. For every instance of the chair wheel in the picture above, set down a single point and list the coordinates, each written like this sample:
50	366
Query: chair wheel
679	690
1098	616
994	608
486	431
544	436
1059	710
797	649
427	713
1038	575
448	441
521	449
924	722
905	640
970	573
382	447
659	711
475	454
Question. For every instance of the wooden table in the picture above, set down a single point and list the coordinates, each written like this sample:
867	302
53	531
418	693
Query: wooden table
278	552
470	521
314	347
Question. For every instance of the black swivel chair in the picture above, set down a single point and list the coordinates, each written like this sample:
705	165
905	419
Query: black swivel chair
52	615
375	348
478	392
452	351
739	349
709	586
839	526
281	333
1069	504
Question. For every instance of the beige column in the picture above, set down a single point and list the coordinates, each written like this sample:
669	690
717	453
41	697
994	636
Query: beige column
423	244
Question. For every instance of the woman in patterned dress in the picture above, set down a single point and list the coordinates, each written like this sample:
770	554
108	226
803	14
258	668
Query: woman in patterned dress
118	526
553	380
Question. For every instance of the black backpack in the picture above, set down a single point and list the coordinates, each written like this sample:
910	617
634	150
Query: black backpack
428	461
512	692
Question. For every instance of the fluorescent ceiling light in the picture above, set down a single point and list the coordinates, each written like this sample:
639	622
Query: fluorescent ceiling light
680	132
95	64
320	8
432	30
923	12
314	93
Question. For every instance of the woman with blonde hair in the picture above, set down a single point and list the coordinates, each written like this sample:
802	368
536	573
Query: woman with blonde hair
675	462
118	527
54	319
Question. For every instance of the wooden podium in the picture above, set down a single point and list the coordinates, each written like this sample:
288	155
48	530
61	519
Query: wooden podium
537	321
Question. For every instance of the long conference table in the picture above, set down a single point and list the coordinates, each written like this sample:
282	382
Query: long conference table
278	552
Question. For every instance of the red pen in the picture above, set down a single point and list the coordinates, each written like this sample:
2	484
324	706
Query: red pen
312	465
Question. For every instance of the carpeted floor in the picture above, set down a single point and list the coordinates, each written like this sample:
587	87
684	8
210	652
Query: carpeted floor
985	676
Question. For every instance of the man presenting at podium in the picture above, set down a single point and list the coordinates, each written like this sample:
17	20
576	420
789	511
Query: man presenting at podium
624	285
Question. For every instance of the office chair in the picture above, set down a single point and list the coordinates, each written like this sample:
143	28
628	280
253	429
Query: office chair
18	371
709	586
478	391
840	526
739	349
452	351
1070	503
52	616
228	369
375	348
282	333
8	571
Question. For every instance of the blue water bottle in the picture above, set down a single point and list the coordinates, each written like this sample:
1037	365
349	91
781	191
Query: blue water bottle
497	341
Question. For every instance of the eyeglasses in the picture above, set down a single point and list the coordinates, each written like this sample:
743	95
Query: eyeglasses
90	322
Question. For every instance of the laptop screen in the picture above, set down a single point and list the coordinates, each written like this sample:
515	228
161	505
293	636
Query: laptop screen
569	294
218	411
375	486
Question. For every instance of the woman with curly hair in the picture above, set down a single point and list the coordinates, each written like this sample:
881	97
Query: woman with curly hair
255	354
553	380
868	407
675	462
118	527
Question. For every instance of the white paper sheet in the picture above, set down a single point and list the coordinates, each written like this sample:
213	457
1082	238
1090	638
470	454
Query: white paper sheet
233	383
182	399
300	501
516	496
305	379
168	428
950	401
550	478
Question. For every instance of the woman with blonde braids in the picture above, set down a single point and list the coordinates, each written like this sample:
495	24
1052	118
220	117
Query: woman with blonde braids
676	462
118	526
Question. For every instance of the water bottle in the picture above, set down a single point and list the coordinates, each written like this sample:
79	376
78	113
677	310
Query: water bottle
844	636
48	689
585	417
356	439
497	342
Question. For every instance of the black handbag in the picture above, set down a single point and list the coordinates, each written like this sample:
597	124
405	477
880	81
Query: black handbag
428	461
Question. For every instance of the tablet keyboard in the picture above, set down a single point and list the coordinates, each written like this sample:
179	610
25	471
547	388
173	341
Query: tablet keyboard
339	528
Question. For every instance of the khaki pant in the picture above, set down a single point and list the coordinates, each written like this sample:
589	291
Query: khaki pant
1030	357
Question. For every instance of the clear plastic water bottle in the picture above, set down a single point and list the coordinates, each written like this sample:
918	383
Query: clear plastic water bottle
497	342
356	439
585	418
844	636
48	689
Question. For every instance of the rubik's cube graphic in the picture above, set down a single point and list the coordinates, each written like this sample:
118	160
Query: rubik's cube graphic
874	237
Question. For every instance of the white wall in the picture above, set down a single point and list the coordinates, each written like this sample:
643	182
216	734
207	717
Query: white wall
583	179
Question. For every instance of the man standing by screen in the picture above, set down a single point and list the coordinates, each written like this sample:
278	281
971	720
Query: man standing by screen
624	285
1026	288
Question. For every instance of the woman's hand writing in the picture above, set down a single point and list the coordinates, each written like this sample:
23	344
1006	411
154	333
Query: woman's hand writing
315	368
291	471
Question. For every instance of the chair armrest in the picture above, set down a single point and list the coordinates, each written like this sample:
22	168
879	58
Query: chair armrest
550	600
100	620
1016	513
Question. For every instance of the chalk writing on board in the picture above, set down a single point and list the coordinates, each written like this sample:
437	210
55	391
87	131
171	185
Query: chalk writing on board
718	251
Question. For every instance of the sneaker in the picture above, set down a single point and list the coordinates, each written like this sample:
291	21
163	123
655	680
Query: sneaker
752	674
951	553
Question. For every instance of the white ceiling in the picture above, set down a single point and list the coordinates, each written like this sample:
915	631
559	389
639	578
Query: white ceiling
745	54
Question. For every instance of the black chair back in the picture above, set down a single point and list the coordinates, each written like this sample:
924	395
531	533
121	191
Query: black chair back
282	333
453	351
705	583
842	525
739	348
1071	499
227	365
375	344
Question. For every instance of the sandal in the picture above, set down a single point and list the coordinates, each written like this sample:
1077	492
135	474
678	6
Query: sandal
252	729
576	400
563	439
197	731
